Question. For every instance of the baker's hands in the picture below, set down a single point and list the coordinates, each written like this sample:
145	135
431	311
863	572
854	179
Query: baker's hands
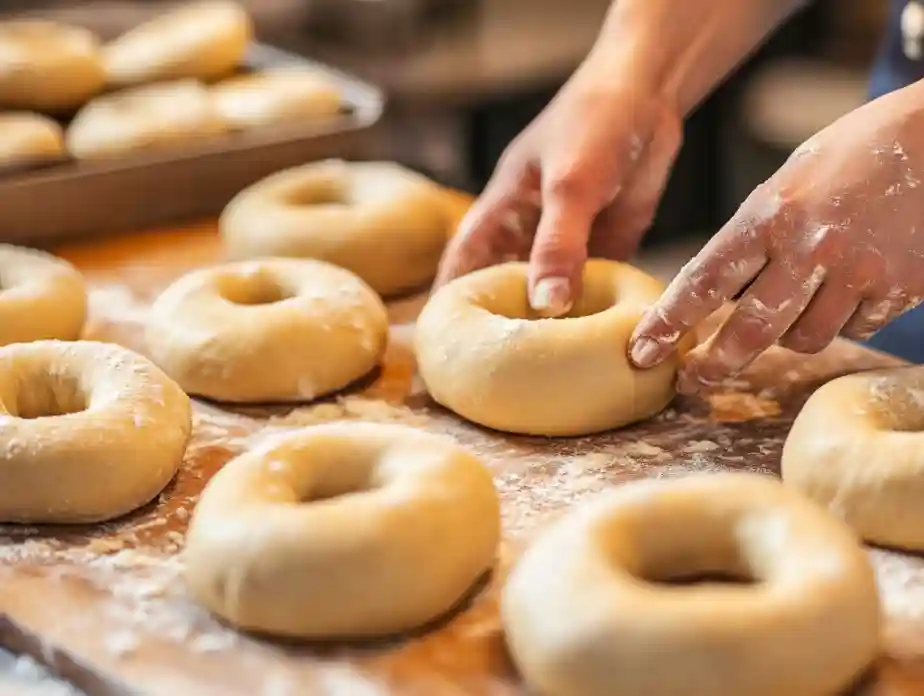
832	244
584	178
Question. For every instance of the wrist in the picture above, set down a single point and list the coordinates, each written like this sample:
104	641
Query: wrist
681	50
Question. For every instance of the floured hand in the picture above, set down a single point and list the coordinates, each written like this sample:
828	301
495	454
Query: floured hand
832	244
583	179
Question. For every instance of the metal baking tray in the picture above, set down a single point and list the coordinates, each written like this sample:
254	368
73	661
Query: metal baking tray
195	181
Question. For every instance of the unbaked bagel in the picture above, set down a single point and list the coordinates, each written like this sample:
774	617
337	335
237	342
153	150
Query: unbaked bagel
203	40
273	330
277	96
483	353
856	447
28	139
88	431
48	67
385	223
144	118
343	531
41	297
589	609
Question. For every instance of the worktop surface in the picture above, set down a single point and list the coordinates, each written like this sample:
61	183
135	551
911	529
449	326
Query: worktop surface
106	606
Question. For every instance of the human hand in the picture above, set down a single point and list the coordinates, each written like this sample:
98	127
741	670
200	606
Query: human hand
832	244
583	179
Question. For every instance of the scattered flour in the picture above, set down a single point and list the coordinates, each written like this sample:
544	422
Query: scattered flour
22	676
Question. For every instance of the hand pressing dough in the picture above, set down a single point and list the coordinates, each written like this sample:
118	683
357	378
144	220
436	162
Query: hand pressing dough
203	40
88	431
28	139
275	330
163	115
48	67
856	448
483	353
345	530
277	96
386	224
41	297
587	611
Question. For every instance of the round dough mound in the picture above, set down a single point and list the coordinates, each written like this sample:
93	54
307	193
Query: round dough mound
346	530
88	431
28	139
143	118
855	447
203	40
41	297
483	353
277	96
385	223
590	603
48	67
275	330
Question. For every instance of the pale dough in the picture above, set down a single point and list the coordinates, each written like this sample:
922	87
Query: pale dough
484	354
48	67
343	531
385	223
88	431
587	612
273	330
204	40
28	139
856	447
169	114
282	95
41	297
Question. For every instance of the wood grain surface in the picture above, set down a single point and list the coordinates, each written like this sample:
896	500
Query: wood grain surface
105	604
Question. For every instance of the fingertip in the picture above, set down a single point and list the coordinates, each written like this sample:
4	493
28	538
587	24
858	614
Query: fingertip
645	352
552	296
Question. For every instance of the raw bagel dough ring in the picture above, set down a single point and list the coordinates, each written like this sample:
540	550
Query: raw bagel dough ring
856	447
90	431
385	223
28	139
203	40
142	118
48	67
482	353
343	530
274	330
584	613
277	96
41	297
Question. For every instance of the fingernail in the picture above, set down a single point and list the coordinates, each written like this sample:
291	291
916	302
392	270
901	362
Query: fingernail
644	352
552	296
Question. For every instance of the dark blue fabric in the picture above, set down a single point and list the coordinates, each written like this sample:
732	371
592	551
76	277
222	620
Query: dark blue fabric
903	337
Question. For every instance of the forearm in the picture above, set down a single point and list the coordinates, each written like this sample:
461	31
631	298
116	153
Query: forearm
684	48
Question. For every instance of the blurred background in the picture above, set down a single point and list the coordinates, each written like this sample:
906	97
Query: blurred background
463	77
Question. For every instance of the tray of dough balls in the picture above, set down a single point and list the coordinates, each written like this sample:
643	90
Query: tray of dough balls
162	123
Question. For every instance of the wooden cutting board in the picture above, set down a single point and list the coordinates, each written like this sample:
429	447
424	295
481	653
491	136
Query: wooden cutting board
105	606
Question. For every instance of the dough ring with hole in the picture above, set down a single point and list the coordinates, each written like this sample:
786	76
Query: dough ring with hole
856	447
41	297
144	118
204	40
585	615
343	531
47	66
277	96
385	223
485	355
274	330
28	139
88	431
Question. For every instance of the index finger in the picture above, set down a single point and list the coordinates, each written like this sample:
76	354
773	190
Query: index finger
724	266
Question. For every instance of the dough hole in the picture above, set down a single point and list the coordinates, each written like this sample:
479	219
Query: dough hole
593	300
48	396
327	193
705	578
254	289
